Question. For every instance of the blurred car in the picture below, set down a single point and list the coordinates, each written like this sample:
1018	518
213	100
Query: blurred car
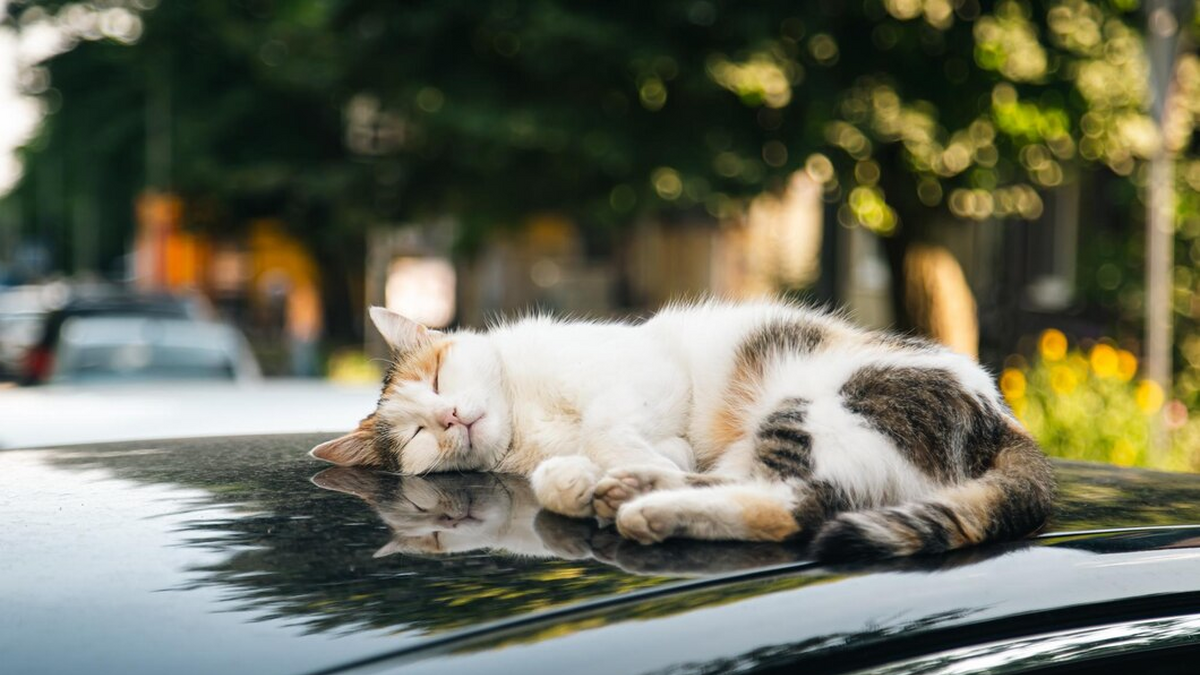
18	332
109	302
23	309
96	349
241	554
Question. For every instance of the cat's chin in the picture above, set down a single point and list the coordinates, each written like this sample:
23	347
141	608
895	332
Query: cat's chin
488	445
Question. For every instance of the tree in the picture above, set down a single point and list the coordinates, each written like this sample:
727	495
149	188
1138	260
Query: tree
340	115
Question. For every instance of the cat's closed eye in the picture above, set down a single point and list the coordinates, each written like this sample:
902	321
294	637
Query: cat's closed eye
415	434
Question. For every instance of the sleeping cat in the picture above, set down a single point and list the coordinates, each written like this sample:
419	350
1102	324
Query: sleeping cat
757	421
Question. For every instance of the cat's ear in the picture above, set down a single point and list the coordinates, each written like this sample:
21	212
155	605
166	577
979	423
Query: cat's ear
356	448
400	333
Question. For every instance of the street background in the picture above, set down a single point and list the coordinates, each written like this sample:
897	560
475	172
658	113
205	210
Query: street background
1016	179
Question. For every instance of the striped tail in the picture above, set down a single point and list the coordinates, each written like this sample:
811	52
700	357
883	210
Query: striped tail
1010	500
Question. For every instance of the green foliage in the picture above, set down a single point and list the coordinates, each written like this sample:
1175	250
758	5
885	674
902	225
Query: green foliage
1089	406
340	115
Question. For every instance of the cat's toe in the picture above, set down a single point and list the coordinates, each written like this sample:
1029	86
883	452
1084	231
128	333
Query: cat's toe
623	485
610	494
645	523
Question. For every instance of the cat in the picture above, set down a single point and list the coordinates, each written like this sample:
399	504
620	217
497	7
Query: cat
444	514
755	421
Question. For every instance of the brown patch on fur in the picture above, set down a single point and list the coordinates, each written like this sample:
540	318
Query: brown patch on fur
910	540
765	518
417	365
930	417
771	340
727	425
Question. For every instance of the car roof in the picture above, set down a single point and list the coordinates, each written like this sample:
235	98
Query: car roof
106	329
243	554
117	303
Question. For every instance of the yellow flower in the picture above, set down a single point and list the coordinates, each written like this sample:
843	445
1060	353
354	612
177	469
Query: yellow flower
1063	380
1012	384
1018	407
1105	362
1053	345
1123	453
1149	396
1127	365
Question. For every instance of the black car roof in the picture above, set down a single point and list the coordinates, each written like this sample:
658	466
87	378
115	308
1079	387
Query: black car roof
245	555
115	304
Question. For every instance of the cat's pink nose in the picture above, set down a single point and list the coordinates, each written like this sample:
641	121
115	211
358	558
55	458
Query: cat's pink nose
452	417
449	419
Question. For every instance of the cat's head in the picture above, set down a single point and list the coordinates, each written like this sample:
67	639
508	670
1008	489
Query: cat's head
443	406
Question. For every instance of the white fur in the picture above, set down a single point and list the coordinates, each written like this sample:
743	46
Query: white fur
566	402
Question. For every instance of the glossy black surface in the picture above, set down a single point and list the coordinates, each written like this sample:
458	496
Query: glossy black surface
245	555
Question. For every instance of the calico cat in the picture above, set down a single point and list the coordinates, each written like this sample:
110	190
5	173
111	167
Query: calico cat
759	421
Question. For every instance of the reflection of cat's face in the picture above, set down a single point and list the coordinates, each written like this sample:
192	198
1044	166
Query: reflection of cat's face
441	516
439	513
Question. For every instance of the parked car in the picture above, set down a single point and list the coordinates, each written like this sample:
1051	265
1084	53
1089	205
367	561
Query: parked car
18	332
23	310
103	302
105	349
241	554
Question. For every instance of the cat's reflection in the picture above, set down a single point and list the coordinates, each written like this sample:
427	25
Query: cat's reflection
455	513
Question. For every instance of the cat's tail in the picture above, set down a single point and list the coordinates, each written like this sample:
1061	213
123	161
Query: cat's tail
1012	499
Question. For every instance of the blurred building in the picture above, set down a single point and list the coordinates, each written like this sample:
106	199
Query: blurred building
546	264
266	281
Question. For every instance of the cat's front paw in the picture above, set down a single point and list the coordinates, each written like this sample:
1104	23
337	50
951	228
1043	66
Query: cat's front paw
647	522
624	485
565	485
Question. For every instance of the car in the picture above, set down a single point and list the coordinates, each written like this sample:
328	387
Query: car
105	349
103	302
242	554
23	311
18	332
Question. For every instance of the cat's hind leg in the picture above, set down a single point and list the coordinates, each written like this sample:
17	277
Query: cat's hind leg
746	512
777	494
767	511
